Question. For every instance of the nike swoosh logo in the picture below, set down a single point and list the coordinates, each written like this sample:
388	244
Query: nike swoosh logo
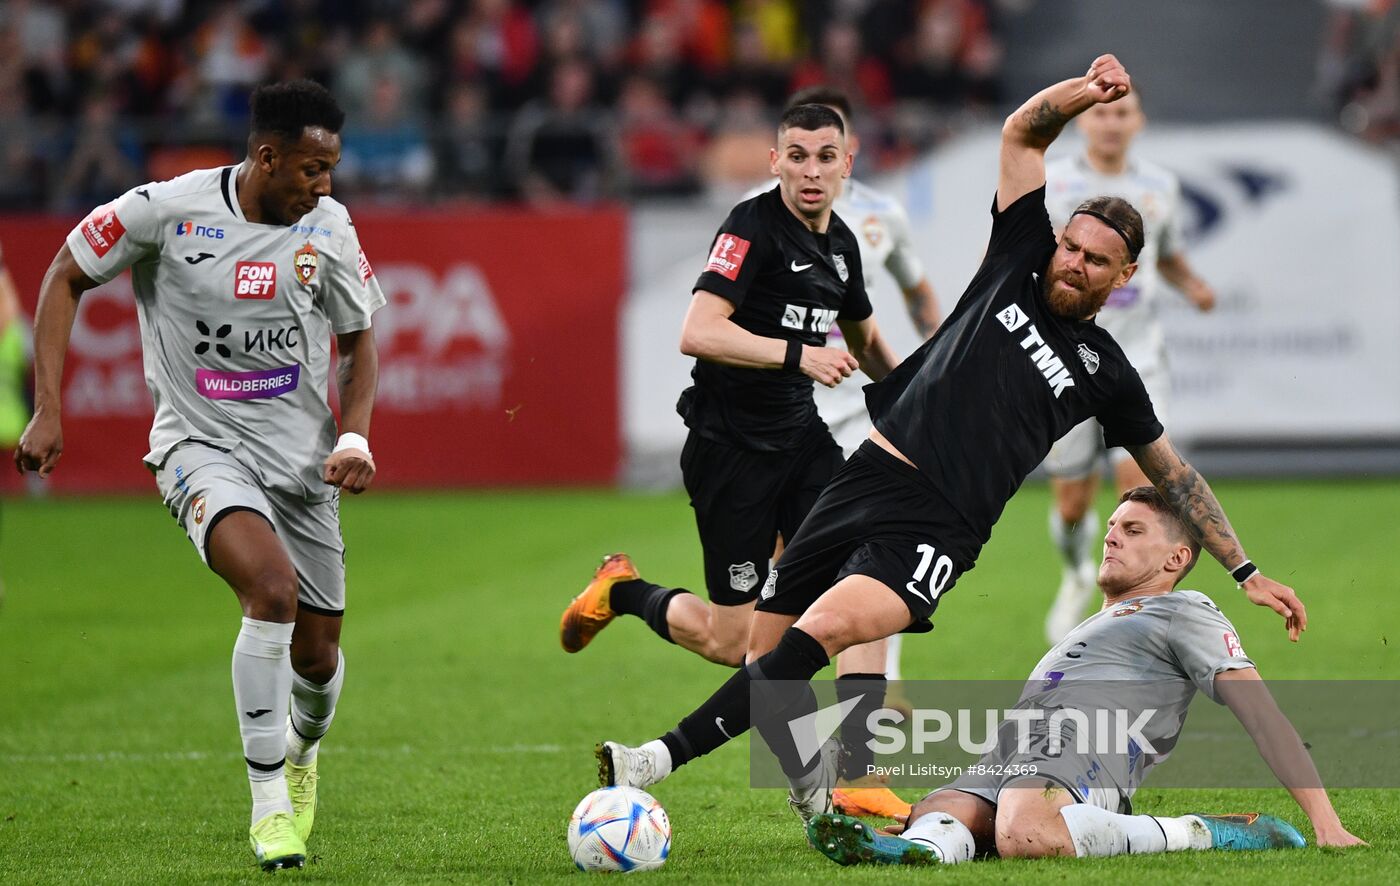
199	258
916	592
719	722
144	193
799	268
253	715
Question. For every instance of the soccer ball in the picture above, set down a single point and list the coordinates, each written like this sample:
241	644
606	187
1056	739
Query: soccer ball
619	829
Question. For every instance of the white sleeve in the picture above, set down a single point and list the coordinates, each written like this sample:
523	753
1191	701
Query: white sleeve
903	264
1205	643
353	294
118	235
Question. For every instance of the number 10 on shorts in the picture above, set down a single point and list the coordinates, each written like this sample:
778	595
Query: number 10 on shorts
942	571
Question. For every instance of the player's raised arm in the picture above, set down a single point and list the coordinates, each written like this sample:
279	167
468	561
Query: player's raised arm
1029	131
1191	497
1249	699
709	334
64	283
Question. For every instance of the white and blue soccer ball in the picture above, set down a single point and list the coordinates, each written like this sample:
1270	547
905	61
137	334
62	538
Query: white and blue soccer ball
619	829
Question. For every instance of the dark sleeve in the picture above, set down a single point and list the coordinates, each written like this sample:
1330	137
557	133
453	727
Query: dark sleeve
1128	419
736	253
857	305
1023	228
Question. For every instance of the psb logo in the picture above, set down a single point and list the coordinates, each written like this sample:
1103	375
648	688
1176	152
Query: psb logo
770	586
1091	359
840	261
189	228
1012	317
743	577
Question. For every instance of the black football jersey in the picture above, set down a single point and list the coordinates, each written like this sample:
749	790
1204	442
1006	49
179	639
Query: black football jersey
978	406
786	282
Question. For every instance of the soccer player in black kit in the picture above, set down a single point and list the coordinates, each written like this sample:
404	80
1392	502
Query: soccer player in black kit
958	426
782	269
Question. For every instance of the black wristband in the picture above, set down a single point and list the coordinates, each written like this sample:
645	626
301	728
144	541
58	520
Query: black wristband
1244	572
793	359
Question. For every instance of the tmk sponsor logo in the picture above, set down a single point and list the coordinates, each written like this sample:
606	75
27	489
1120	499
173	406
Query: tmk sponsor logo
1043	356
189	228
255	279
809	319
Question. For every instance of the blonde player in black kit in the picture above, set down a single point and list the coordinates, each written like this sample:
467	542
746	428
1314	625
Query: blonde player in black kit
958	426
783	269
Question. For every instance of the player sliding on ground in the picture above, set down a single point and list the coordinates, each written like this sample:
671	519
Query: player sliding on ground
1151	649
242	275
958	426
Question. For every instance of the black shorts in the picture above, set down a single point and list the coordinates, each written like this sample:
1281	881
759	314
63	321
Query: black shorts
878	517
743	499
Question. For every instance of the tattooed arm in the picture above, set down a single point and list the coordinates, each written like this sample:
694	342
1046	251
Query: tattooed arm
1028	132
1190	496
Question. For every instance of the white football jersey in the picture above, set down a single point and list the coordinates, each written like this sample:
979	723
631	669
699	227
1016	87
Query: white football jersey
1130	315
236	318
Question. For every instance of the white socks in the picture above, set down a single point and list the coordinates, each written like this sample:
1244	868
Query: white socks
262	684
944	834
313	708
1099	833
1073	542
893	645
662	757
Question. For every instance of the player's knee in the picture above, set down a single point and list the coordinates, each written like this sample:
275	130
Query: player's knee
1026	833
834	629
272	595
317	663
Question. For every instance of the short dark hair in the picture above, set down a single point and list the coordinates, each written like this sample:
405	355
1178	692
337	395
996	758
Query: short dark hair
1119	215
287	109
822	95
812	117
1149	496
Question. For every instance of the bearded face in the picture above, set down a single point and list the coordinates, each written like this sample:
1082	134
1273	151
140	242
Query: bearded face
1090	262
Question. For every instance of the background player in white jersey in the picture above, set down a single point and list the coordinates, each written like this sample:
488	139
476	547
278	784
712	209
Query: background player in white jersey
241	276
1130	315
1147	651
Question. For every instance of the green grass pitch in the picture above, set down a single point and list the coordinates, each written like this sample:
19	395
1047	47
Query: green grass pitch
465	734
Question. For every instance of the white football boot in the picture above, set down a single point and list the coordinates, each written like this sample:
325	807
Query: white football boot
621	766
810	794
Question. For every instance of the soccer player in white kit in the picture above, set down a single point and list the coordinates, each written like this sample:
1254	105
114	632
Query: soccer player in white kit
882	230
1130	315
1147	652
241	276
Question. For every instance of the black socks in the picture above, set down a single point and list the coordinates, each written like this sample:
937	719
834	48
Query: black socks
726	714
645	600
855	733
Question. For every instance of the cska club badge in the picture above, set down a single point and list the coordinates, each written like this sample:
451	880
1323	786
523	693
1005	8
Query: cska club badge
304	264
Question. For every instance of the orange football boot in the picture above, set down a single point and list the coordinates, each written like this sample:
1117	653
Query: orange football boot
590	611
878	802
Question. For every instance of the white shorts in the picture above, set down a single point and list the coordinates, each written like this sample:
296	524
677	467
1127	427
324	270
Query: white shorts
201	484
843	410
1080	453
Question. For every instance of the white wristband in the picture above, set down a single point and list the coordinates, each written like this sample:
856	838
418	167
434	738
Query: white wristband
352	441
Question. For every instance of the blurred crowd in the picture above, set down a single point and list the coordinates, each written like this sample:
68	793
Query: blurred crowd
476	100
1358	70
